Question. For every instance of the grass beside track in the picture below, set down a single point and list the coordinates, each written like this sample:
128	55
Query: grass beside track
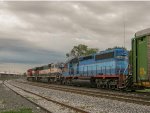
145	90
23	110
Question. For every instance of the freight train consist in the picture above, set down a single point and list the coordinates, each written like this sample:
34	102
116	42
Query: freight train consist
113	69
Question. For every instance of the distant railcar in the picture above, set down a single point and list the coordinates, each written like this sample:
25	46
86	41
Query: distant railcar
29	72
51	72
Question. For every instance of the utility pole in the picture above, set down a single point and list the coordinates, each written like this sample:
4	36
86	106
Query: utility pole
124	29
124	33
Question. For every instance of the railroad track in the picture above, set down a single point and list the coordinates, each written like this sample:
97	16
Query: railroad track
27	99
77	110
120	97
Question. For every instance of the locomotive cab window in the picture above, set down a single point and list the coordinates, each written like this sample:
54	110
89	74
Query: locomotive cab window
104	56
86	58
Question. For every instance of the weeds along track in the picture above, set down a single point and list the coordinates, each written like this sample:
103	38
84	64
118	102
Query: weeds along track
76	110
114	96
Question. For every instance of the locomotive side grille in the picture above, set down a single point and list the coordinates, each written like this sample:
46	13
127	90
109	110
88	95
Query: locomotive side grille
148	56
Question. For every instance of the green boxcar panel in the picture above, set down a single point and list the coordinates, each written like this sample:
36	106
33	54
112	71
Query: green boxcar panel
148	57
141	60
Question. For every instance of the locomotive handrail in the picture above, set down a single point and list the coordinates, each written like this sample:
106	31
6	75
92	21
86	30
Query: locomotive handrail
125	70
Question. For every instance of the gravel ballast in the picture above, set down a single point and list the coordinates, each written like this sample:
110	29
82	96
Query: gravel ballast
88	103
48	105
11	101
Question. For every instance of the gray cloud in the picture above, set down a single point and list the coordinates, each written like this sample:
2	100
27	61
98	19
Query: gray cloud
36	33
20	51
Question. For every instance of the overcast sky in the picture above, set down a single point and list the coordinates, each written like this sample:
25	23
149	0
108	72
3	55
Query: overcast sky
36	33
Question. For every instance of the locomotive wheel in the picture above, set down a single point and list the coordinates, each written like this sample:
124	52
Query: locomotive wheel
98	85
107	86
50	81
64	82
102	86
113	87
68	82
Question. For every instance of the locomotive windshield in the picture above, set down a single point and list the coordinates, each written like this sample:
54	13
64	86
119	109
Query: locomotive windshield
121	55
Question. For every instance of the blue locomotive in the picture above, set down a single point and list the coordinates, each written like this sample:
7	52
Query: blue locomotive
105	69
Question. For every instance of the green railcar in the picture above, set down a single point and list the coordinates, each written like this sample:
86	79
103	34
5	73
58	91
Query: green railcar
141	58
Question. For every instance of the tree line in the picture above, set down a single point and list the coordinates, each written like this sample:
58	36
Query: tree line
84	50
